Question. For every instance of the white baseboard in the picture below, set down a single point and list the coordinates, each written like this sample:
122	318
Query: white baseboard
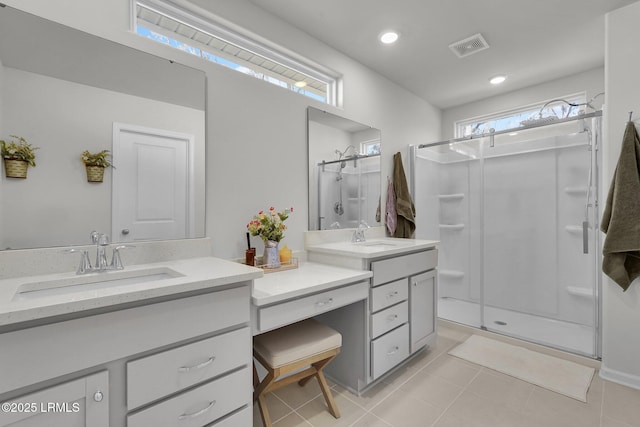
618	377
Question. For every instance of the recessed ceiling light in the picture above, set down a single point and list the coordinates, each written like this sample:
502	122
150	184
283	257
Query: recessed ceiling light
497	80
389	37
300	84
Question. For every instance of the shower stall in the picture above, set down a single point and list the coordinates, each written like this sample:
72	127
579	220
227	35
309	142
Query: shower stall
516	212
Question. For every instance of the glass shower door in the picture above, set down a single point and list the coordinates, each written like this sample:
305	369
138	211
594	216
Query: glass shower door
510	214
539	284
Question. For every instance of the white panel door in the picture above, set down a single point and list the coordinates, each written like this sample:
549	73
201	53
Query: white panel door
152	183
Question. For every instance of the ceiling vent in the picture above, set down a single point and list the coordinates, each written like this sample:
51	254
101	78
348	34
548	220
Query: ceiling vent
469	46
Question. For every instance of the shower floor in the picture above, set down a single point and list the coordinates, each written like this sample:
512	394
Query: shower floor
559	334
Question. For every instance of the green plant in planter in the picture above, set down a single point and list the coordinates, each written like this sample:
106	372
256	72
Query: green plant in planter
18	150
101	159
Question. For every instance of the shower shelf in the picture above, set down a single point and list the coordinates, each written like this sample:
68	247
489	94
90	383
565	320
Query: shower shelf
453	227
457	196
453	274
580	292
576	191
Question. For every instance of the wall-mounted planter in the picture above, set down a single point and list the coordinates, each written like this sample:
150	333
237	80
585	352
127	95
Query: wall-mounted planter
15	168
95	173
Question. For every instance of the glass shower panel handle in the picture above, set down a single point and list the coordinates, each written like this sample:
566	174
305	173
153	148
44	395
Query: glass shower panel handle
587	204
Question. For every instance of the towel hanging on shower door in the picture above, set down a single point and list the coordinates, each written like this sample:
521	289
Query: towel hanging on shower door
621	217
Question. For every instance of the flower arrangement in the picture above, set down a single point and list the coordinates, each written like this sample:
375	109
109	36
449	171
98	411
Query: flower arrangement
100	159
269	225
18	150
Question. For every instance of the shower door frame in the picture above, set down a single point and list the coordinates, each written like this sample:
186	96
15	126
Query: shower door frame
593	213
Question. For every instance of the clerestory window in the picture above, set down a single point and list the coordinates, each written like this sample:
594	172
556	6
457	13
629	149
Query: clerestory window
166	23
520	116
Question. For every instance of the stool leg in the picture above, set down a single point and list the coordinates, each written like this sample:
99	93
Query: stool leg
326	391
264	411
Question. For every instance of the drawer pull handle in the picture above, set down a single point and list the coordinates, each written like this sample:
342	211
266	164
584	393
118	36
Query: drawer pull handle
393	350
207	362
392	294
392	317
197	413
325	302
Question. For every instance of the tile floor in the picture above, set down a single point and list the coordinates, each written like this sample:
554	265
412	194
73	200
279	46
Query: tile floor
438	390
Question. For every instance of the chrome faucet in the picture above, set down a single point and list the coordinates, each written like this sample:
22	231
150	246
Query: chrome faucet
102	243
358	234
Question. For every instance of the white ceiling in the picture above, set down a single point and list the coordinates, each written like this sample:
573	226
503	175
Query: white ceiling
531	41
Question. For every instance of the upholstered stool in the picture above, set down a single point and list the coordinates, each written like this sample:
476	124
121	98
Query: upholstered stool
291	348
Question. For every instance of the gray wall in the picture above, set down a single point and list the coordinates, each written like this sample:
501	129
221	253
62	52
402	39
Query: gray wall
621	310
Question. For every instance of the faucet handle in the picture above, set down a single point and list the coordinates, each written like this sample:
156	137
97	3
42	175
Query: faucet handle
116	261
85	264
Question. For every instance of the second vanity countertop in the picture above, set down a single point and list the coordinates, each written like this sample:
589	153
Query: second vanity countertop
308	278
372	248
172	277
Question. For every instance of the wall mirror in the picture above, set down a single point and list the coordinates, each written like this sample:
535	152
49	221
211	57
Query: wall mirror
344	172
65	91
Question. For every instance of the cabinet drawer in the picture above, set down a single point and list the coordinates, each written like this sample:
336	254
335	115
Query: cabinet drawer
389	318
288	312
390	269
389	294
199	406
241	418
159	375
389	350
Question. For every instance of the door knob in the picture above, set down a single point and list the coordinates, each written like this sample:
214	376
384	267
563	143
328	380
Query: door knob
125	231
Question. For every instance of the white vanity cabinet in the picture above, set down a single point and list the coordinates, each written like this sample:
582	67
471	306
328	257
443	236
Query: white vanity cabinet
182	361
402	298
400	318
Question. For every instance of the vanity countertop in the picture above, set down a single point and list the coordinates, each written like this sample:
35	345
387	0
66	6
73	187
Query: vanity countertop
170	278
308	278
373	248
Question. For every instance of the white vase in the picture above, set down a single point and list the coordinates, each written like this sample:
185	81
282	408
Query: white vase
271	257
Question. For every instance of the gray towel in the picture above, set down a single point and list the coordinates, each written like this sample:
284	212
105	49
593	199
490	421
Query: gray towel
405	209
621	217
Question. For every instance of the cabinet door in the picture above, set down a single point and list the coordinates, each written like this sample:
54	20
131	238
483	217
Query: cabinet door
78	403
422	311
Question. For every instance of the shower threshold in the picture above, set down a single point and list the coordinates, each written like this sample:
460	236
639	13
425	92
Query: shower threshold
567	336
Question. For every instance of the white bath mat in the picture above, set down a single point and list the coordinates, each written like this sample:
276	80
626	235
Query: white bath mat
552	373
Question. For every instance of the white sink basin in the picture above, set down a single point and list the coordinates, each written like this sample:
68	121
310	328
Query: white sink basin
92	282
376	244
